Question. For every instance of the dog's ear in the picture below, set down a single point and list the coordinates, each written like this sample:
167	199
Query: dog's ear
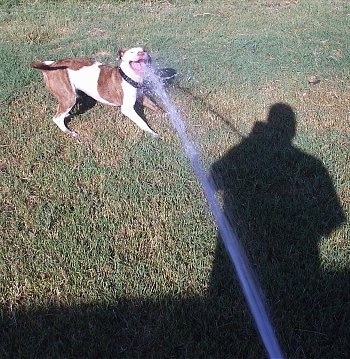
121	53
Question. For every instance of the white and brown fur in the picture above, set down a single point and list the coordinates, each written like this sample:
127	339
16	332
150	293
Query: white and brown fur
103	83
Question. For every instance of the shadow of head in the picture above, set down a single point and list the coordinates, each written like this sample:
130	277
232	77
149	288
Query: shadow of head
281	120
280	125
167	75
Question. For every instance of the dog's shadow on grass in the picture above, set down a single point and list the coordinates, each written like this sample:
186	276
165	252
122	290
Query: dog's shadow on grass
83	104
281	202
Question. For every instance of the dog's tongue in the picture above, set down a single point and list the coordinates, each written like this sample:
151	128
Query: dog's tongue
137	66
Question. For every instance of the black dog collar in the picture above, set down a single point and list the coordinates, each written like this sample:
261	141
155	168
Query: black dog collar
129	80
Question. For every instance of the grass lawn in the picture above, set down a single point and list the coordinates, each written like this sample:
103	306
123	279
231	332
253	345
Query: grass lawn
107	247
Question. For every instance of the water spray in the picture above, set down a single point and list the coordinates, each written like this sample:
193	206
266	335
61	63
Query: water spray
245	274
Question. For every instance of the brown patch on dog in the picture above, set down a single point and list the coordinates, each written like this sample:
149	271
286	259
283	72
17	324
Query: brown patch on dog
58	84
75	64
111	76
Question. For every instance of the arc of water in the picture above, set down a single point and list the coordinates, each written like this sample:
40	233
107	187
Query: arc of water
246	277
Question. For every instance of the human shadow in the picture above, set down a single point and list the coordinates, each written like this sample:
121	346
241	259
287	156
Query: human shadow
282	203
168	328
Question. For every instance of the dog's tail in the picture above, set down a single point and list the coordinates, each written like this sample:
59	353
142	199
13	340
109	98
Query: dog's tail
46	65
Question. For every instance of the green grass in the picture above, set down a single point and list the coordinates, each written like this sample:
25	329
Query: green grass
107	247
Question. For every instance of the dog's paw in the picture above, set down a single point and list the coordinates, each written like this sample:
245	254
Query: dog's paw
153	135
72	134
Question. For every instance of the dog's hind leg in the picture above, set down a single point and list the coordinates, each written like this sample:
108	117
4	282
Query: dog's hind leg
61	114
59	85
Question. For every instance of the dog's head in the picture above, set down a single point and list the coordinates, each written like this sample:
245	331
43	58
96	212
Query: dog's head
137	58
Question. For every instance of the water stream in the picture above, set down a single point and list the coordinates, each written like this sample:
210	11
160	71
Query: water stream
246	277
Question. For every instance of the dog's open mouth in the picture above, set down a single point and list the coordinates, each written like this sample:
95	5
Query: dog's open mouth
139	65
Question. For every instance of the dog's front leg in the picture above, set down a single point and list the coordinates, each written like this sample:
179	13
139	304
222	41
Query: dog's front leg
130	112
147	102
127	109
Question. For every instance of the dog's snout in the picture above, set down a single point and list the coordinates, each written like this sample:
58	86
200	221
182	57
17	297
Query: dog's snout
141	53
